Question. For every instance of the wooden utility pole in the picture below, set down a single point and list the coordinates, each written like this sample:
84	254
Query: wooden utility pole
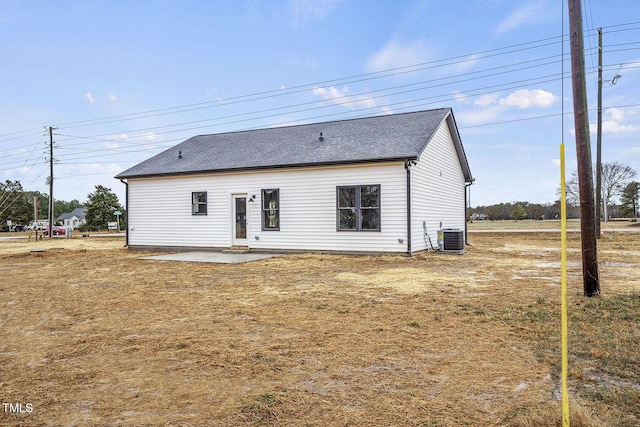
50	182
590	274
599	140
35	215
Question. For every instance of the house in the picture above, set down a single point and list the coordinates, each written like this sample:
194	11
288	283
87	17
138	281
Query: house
75	218
381	184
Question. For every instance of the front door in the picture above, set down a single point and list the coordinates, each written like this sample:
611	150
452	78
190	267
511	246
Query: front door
240	220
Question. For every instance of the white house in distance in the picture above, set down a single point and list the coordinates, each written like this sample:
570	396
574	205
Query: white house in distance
381	184
75	218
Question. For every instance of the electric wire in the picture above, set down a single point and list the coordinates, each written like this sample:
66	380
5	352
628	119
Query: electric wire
349	79
68	156
393	72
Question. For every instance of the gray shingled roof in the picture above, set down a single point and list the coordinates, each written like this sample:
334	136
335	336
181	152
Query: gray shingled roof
371	139
79	213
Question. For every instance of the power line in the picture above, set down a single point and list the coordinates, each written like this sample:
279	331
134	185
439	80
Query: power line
341	80
133	144
349	98
431	99
306	87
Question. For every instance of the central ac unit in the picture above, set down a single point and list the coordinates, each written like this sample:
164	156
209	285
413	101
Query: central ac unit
451	240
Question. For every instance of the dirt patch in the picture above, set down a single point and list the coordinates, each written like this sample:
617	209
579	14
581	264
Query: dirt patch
25	246
92	334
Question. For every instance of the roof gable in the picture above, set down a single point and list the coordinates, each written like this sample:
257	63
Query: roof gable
371	139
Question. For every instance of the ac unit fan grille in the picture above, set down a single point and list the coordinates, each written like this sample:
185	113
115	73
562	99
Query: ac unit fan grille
452	241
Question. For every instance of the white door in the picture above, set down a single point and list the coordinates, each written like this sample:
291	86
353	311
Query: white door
239	220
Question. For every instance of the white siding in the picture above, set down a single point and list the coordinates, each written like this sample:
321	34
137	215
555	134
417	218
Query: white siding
437	190
160	209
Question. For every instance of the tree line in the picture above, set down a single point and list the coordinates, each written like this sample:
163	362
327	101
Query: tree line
18	206
620	199
520	210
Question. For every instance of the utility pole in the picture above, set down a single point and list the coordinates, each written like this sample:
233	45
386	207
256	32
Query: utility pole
590	274
50	182
35	215
599	141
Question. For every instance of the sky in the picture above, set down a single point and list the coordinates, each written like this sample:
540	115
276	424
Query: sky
120	81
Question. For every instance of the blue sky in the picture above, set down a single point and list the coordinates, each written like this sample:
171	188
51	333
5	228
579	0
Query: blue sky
124	80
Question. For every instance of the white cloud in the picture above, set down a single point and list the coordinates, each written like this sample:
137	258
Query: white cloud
150	136
478	116
615	114
555	162
396	54
465	64
613	122
460	97
301	11
611	126
149	140
113	140
344	98
111	145
486	100
19	172
531	13
211	92
118	137
111	97
525	98
89	97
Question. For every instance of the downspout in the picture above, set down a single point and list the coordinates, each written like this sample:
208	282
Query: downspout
126	204
466	217
407	167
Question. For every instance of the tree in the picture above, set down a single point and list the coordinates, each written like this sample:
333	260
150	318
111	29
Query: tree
43	204
572	191
536	210
14	204
61	206
101	204
629	199
499	211
518	212
615	177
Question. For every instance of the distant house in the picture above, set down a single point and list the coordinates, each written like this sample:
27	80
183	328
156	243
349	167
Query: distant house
375	185
75	218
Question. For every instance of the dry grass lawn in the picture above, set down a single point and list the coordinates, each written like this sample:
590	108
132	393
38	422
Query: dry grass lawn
92	334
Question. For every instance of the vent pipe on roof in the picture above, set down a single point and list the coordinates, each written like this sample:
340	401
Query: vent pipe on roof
321	138
179	154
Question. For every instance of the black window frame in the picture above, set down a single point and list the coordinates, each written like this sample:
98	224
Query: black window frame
197	205
265	209
358	208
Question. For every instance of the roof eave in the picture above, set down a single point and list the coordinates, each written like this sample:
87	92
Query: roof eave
269	167
455	134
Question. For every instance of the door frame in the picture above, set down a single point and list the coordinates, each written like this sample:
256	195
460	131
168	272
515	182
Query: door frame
234	240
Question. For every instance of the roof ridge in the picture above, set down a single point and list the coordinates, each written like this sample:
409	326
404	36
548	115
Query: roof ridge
320	123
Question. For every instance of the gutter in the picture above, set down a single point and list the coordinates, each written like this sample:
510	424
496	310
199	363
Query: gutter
257	168
126	204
